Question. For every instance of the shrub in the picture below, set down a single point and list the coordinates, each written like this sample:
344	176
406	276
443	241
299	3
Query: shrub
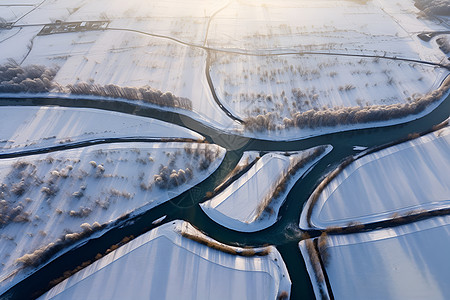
81	213
18	188
283	296
49	190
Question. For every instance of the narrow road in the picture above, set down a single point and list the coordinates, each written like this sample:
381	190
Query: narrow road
210	20
213	91
269	53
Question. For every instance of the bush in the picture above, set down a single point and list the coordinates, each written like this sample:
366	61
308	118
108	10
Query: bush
49	190
81	213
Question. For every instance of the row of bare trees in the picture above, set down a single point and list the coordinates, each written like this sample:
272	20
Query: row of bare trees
39	79
348	115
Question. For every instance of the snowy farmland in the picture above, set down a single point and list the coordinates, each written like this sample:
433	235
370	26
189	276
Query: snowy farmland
400	180
252	202
285	86
160	50
125	55
405	262
280	62
197	270
52	201
344	26
40	127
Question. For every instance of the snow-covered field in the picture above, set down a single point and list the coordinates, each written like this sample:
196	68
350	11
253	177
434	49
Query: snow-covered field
185	20
283	87
405	262
130	59
252	202
39	127
278	87
59	198
119	55
399	180
247	158
345	26
164	264
287	85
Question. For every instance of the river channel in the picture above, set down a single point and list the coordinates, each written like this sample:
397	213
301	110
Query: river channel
285	234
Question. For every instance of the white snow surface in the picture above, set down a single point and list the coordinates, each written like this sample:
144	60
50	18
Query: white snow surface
37	127
404	262
57	196
162	264
411	176
344	26
241	206
126	55
284	85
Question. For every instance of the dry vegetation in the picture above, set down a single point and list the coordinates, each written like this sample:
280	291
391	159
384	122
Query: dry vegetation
443	44
30	79
83	265
433	7
39	79
145	93
248	252
63	188
348	116
233	175
313	91
323	184
44	253
282	182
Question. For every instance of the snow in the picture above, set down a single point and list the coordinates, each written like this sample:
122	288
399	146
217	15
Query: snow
159	220
405	262
58	197
38	127
285	85
10	13
262	74
162	264
251	203
247	158
411	176
125	54
185	20
330	25
130	59
359	148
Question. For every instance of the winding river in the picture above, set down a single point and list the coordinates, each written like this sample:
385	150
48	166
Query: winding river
285	234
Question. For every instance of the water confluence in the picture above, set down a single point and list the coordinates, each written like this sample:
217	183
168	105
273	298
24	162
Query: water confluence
284	234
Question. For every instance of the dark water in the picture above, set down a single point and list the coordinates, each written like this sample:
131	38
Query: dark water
284	234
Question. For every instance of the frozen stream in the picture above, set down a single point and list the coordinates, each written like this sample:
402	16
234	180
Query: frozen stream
283	234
